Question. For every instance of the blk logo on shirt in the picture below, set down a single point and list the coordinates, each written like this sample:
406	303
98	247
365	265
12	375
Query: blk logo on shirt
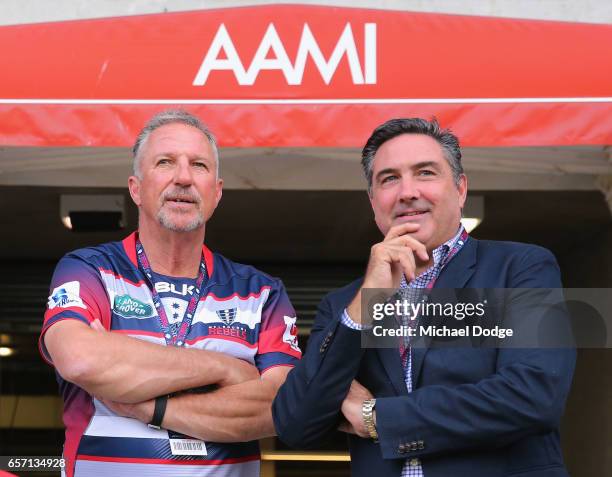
166	287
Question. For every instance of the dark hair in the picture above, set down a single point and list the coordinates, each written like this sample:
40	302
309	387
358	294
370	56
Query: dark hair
394	127
171	116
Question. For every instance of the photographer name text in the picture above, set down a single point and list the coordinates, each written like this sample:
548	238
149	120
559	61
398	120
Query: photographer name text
442	331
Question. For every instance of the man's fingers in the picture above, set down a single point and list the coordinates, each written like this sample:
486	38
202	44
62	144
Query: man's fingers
417	247
96	325
400	233
347	427
410	242
357	386
402	229
109	404
392	258
408	265
398	257
359	392
404	256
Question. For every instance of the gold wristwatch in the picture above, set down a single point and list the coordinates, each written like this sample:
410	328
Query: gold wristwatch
367	410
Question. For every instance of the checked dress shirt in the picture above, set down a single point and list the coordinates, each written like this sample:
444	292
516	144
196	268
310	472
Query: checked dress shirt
411	292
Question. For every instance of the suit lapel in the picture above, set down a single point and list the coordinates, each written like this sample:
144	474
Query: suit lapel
455	275
390	359
461	268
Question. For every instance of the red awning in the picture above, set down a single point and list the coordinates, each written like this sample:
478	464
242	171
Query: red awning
302	76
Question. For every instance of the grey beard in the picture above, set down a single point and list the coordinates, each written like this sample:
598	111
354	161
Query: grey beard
166	222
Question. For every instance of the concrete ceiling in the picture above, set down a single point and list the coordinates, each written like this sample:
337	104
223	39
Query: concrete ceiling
516	168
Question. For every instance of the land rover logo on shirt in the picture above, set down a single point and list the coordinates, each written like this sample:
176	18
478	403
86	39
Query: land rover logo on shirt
129	307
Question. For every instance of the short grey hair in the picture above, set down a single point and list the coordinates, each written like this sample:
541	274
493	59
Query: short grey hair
395	127
171	116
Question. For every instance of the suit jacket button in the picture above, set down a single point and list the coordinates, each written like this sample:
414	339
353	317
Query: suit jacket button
413	446
401	448
421	445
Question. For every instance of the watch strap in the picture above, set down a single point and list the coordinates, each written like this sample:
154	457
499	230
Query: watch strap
158	412
367	410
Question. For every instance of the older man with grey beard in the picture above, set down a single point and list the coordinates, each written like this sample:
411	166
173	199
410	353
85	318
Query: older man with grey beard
131	325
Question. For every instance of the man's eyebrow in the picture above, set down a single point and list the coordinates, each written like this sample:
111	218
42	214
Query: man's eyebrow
163	154
173	155
201	157
420	165
388	170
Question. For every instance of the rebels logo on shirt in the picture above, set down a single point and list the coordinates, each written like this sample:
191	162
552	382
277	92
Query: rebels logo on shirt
225	323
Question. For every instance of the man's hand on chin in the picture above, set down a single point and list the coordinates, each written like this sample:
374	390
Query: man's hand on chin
399	254
352	410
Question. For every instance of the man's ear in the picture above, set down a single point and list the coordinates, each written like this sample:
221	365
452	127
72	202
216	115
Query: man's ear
219	192
462	188
134	188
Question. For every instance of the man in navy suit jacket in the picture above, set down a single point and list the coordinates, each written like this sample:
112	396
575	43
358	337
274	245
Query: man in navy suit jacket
439	411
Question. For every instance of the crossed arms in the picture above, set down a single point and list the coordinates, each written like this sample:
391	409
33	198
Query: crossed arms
523	394
128	373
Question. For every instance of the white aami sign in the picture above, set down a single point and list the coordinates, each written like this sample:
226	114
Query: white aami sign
280	61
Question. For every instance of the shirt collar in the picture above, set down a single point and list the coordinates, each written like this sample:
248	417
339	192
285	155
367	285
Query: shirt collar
442	251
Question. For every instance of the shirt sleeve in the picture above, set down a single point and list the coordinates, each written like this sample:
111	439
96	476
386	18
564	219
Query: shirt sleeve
278	337
76	293
346	320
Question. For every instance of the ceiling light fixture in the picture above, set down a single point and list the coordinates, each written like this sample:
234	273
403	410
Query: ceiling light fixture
473	212
5	351
92	213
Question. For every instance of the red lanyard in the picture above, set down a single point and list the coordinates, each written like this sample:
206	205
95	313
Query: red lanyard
171	335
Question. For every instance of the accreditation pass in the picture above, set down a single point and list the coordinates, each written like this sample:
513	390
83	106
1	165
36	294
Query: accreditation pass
183	445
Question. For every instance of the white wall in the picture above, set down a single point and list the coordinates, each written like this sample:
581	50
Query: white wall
33	11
